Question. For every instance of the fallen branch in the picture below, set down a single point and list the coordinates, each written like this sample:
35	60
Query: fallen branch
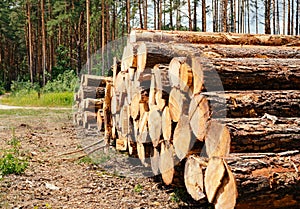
83	149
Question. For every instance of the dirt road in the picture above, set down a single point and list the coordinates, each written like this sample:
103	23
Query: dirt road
53	180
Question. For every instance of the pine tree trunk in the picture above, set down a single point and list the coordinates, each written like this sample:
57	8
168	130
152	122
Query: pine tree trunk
128	13
225	4
140	14
283	18
274	16
30	44
88	36
190	16
289	18
292	18
203	15
267	16
195	16
44	63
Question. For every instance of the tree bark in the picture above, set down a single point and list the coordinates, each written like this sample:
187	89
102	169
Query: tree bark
30	44
203	15
264	134
225	4
214	38
267	17
238	104
44	63
251	73
88	37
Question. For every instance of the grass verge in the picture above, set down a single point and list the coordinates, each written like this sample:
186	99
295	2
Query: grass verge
32	99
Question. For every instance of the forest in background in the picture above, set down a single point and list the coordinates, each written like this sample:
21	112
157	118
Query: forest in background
41	39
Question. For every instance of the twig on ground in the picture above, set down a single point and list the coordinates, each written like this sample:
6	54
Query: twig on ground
81	150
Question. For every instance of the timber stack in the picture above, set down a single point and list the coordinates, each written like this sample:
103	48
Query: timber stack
90	102
220	111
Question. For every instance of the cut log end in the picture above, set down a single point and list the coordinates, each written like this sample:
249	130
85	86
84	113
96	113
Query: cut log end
194	178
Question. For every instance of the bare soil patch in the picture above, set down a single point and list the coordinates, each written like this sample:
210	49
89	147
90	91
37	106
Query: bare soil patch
55	181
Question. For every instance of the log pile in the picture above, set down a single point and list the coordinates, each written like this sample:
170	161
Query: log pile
219	110
91	102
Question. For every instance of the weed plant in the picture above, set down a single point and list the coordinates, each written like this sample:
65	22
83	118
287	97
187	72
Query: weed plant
11	161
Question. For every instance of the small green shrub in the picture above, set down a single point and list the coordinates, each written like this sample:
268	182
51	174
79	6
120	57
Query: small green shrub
21	88
65	82
10	160
85	160
2	90
11	163
178	195
138	188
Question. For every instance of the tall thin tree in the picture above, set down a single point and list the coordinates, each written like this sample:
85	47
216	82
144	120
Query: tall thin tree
283	17
140	13
195	15
297	17
43	41
160	14
190	15
128	16
225	5
277	18
274	16
248	17
267	16
171	13
145	13
88	50
204	15
292	18
30	59
289	18
256	16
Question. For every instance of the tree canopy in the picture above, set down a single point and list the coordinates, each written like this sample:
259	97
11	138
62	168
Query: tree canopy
41	39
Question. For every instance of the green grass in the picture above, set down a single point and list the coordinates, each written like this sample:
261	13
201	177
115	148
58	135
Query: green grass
60	99
178	195
33	112
85	160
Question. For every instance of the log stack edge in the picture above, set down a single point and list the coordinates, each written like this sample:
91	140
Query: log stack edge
219	111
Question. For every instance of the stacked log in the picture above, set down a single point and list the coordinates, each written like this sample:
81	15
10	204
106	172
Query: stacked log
218	112
92	104
185	101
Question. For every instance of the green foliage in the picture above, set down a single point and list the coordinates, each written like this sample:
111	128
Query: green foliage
10	163
63	63
2	90
138	188
178	195
56	93
10	160
20	88
65	82
85	160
